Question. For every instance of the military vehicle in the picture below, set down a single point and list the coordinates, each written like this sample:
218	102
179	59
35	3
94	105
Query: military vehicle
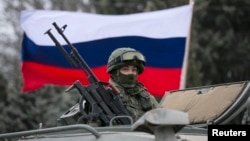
184	114
158	124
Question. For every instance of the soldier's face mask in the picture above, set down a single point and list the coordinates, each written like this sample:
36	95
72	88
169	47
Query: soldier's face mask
126	80
128	56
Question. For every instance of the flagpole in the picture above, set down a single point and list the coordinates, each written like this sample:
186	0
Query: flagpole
186	56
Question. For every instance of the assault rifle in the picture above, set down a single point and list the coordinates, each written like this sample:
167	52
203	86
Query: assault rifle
97	102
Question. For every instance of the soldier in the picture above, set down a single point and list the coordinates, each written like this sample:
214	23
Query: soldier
124	66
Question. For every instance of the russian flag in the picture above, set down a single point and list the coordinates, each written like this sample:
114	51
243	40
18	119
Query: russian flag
160	35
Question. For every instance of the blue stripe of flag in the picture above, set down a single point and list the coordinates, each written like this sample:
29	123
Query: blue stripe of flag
160	53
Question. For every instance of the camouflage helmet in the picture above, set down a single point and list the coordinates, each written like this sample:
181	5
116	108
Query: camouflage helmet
126	55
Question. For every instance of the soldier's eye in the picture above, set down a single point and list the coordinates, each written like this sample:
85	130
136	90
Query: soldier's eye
124	69
134	69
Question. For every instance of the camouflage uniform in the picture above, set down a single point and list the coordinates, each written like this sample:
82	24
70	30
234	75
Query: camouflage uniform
136	98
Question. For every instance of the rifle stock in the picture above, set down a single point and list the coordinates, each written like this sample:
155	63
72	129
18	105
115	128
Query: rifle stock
104	103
